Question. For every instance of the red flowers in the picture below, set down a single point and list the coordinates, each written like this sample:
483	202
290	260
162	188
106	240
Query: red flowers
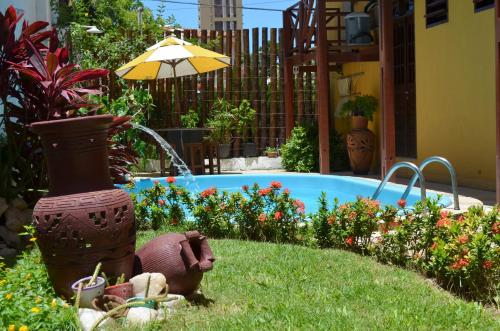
349	241
460	264
265	191
286	191
170	180
496	228
161	202
463	239
402	203
262	218
352	215
331	219
299	205
434	246
208	192
156	182
444	222
276	185
487	264
278	215
244	188
175	221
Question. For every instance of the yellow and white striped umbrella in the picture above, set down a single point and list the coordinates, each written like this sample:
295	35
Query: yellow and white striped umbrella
170	58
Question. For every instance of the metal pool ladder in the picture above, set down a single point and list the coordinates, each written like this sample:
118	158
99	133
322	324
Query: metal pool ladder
451	170
394	168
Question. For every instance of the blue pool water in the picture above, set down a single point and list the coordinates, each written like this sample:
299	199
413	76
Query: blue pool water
306	187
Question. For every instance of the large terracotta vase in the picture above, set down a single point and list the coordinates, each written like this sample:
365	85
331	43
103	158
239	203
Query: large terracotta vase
360	146
182	258
84	219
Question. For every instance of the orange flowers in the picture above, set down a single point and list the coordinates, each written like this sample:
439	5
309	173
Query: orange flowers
349	241
496	228
161	202
208	192
460	264
487	264
463	239
170	180
276	185
278	215
445	221
265	191
262	218
331	219
402	203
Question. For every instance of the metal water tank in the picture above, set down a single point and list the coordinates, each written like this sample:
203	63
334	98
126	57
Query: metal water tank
357	29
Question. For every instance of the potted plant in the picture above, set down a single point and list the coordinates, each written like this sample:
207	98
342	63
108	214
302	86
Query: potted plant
245	116
222	122
121	288
360	141
271	152
88	288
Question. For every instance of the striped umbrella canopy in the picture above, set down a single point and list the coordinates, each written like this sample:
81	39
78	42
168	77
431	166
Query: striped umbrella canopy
171	58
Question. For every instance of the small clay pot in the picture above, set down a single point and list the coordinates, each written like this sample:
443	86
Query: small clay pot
272	155
359	122
89	293
109	302
124	290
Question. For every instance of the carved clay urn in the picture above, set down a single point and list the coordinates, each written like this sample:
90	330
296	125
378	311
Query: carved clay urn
84	219
182	258
360	146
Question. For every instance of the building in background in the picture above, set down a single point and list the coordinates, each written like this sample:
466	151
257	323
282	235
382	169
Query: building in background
220	14
32	10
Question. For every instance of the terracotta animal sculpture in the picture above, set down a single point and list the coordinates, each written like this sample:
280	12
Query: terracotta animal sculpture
182	258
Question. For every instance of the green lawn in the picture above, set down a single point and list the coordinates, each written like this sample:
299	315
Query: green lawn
256	286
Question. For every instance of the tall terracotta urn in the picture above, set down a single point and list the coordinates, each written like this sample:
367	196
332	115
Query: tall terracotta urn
84	219
360	146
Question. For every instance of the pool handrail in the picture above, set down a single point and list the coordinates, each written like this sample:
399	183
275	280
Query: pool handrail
453	175
394	168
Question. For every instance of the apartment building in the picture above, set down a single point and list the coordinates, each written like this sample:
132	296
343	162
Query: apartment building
220	14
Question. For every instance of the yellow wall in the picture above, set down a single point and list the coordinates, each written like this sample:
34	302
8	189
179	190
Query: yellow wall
455	86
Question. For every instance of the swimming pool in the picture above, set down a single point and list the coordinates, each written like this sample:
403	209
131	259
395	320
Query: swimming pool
306	187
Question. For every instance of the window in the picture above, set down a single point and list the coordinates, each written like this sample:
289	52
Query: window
480	5
436	12
218	25
218	8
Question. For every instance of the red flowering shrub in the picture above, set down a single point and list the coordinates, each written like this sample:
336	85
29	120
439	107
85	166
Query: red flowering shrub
268	214
466	254
161	206
212	211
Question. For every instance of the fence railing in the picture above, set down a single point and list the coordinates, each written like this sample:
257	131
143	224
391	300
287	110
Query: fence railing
255	75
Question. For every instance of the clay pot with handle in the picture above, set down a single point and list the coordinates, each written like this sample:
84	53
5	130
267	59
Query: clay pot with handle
360	145
182	258
84	219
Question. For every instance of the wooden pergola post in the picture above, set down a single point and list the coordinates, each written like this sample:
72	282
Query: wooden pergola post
387	123
497	65
288	74
323	88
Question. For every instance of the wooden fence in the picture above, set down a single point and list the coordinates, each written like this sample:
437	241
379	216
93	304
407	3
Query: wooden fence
255	75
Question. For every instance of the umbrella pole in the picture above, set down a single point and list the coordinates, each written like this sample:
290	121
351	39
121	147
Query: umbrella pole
177	99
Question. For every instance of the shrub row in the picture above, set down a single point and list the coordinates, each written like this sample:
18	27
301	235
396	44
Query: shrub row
461	252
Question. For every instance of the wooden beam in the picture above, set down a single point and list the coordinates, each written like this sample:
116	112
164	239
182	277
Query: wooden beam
323	88
288	75
497	64
387	122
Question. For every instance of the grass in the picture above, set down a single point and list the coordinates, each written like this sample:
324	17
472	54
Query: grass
261	286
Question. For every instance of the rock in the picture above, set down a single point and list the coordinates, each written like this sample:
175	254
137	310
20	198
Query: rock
3	205
88	317
157	285
141	315
19	204
11	238
7	252
16	219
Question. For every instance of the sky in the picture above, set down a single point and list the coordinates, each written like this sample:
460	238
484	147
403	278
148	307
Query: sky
187	15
